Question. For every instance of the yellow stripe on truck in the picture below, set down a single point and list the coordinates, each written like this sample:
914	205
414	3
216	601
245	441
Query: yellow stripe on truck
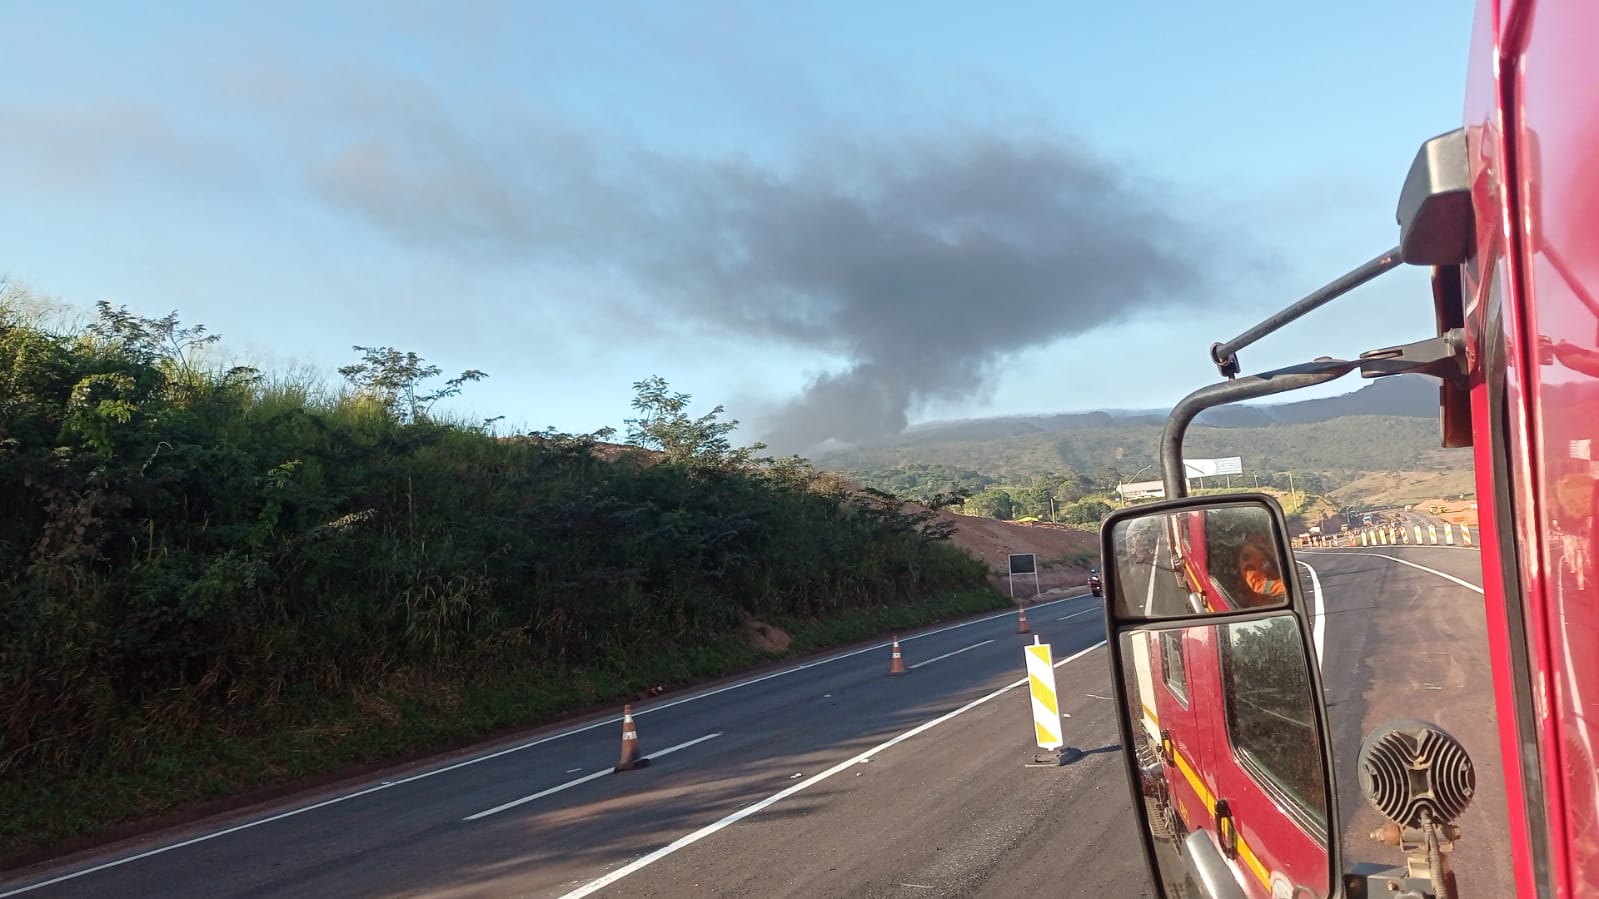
1245	853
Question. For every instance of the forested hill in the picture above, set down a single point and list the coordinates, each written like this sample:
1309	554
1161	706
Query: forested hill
1335	450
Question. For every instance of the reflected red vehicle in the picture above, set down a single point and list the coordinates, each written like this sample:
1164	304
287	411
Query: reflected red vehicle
1218	572
1208	740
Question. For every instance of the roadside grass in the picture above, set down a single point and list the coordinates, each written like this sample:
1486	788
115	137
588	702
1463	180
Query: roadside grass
309	737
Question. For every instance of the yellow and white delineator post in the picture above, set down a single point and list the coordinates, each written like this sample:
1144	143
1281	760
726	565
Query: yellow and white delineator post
1048	729
1449	534
1465	534
1432	534
1418	535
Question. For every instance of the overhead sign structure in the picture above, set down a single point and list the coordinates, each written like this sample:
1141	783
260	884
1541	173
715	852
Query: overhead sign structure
1209	468
1024	563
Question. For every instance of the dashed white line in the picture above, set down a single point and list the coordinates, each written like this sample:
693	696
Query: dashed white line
948	654
709	829
1075	614
581	780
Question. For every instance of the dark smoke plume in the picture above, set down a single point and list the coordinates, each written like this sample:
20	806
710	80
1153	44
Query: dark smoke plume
924	263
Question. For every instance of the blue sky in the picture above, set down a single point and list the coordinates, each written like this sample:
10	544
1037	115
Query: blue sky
831	217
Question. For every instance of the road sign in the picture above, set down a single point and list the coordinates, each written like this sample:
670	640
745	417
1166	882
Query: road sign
1024	563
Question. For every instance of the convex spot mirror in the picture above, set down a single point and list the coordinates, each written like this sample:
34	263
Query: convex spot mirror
1195	558
1219	700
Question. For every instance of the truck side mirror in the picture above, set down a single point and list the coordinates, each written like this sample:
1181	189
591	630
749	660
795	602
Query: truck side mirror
1219	699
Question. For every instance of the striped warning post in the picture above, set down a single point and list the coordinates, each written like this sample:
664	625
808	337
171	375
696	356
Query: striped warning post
1449	533
1432	534
1418	535
1465	535
1046	708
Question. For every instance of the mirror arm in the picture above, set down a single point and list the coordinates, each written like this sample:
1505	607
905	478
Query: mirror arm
1225	355
1250	387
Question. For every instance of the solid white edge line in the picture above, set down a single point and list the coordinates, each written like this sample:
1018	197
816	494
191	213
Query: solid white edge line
1448	577
581	780
1154	571
335	800
1319	629
948	654
709	829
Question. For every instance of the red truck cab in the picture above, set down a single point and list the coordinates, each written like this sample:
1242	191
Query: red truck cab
1505	212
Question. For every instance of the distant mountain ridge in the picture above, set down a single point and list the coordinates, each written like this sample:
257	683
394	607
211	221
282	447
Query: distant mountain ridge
1403	396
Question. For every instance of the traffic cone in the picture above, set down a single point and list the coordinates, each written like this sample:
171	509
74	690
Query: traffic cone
896	664
630	754
1021	621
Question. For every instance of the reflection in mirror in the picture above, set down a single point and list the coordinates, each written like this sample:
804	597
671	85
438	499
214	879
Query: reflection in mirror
1233	791
1215	558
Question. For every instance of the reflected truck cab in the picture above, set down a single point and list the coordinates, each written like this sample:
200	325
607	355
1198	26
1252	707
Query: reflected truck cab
1226	780
1231	784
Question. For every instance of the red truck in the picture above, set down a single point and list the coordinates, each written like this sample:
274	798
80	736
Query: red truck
1505	213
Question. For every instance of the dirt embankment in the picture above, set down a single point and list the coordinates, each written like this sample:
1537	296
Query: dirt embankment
1064	554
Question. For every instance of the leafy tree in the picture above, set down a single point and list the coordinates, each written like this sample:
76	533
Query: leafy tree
994	502
396	380
1088	512
664	424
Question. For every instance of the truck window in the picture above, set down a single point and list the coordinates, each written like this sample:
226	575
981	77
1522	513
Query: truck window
1171	665
1269	720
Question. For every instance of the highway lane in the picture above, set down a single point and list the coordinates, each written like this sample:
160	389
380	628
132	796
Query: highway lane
1403	642
953	809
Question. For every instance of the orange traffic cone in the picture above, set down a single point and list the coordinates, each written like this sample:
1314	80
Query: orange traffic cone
1021	621
630	754
896	664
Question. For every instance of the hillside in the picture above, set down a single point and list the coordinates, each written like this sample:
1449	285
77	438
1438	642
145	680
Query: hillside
1404	396
1339	450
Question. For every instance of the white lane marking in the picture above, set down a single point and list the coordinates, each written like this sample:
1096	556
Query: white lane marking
582	780
1154	570
335	800
690	839
1448	577
1075	614
948	654
1319	629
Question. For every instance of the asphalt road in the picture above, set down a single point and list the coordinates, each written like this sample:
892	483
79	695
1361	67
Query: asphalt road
835	779
952	809
1403	642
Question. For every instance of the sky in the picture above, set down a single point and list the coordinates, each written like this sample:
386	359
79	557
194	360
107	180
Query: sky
833	218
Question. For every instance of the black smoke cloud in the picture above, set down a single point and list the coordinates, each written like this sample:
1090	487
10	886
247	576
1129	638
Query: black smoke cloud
923	261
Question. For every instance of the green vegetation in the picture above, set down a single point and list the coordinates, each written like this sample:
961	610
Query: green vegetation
212	580
1322	456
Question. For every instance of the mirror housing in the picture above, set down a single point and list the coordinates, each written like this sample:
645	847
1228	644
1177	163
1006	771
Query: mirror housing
1219	699
1436	223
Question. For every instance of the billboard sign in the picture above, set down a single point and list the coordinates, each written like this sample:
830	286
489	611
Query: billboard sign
1209	468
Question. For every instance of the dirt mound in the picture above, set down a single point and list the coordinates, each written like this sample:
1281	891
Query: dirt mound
1064	554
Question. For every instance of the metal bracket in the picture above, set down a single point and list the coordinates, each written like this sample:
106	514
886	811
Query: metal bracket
1225	354
1442	357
